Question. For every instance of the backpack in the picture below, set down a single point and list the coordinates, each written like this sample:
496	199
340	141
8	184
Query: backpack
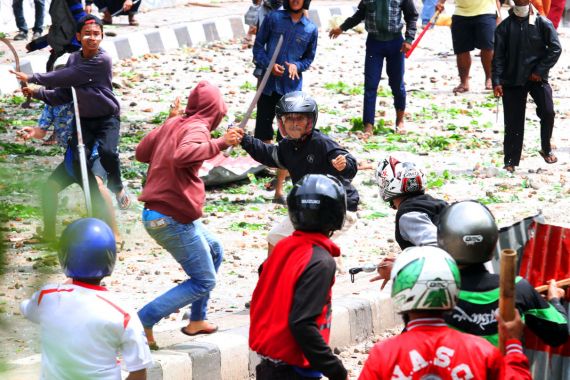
63	26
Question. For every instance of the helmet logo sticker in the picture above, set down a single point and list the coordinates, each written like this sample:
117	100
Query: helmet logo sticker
311	201
311	158
437	298
408	275
472	239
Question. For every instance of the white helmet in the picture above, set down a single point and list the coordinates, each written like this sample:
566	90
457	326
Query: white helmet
399	176
424	278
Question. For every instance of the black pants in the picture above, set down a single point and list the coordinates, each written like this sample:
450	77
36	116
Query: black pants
113	6
514	102
267	370
59	180
104	130
265	115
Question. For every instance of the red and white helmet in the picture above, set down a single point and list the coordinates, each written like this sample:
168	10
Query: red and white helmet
399	176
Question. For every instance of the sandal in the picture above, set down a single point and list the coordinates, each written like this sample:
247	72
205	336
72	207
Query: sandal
270	186
280	200
203	331
124	201
549	158
460	89
510	168
132	20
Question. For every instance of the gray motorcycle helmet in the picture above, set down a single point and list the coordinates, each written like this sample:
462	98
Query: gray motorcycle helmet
467	231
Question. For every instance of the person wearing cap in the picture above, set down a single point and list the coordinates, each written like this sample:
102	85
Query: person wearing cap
90	71
467	231
83	325
425	287
290	315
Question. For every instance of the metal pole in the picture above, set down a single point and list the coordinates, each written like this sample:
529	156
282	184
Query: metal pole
82	158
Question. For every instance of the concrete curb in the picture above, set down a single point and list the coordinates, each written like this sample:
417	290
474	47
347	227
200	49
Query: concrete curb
226	355
160	40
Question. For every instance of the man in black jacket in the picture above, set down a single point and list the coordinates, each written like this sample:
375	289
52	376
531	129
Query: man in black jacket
304	150
526	48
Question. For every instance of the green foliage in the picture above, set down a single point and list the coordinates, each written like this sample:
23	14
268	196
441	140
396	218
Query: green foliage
14	211
384	92
132	138
343	88
490	199
204	69
376	215
159	118
435	181
135	170
23	149
248	86
15	100
238	226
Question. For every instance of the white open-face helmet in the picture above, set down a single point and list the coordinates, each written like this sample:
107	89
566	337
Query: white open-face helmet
424	278
399	175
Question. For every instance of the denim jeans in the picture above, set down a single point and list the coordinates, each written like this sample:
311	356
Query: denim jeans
428	10
376	52
200	255
17	7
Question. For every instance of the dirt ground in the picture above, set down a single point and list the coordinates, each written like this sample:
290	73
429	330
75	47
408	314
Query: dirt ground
458	139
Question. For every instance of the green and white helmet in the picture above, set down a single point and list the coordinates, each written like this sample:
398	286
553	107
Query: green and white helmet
424	278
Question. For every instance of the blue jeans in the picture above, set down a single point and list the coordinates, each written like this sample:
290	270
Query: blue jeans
200	255
17	7
428	10
376	52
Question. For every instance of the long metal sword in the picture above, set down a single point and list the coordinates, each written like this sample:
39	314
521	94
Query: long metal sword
259	91
82	157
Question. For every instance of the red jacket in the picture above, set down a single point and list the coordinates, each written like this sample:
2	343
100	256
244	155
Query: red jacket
175	152
290	311
430	347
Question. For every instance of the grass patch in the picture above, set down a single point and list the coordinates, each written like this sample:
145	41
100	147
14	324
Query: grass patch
132	138
376	215
159	118
343	88
14	211
238	226
247	86
23	149
436	181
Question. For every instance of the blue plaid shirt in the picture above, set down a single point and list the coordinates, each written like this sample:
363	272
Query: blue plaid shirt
299	47
62	118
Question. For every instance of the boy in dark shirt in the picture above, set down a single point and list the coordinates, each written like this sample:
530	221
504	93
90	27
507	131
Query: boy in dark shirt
304	150
90	72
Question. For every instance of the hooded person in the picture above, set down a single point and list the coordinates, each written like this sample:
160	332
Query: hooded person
173	197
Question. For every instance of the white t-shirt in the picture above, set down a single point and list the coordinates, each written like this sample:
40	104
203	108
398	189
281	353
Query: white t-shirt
83	330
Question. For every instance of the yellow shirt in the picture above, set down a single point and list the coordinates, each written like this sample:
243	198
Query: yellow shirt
475	7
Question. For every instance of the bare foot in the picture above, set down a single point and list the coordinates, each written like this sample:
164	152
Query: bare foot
460	89
488	84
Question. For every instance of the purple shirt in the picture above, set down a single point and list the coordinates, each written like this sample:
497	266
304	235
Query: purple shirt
91	79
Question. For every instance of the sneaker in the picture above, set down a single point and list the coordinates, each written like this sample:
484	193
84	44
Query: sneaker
36	35
21	36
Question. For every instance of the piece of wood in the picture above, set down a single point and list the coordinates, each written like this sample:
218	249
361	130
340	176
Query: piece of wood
507	289
560	284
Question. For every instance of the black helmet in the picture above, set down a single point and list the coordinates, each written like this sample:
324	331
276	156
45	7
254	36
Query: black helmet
297	102
467	231
317	203
306	4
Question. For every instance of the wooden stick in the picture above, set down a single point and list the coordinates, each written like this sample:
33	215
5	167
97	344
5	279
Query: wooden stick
507	289
560	284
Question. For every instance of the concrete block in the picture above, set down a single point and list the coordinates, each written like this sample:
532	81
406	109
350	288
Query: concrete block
169	39
109	46
123	48
224	29
383	315
335	11
238	27
340	328
170	365
254	360
154	41
314	17
360	317
206	360
9	82
139	44
183	36
211	31
234	352
197	32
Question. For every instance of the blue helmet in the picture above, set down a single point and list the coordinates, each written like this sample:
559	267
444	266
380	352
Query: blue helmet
87	249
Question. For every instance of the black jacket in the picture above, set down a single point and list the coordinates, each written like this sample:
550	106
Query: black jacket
312	156
479	299
423	203
522	49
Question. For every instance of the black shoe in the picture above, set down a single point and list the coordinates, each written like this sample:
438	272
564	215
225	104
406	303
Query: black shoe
21	36
36	35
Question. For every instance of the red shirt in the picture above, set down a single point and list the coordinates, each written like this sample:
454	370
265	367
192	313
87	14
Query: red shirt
175	152
429	347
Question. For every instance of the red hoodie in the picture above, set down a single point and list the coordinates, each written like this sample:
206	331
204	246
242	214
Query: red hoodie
175	152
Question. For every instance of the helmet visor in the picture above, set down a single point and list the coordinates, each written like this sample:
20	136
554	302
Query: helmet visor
295	125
